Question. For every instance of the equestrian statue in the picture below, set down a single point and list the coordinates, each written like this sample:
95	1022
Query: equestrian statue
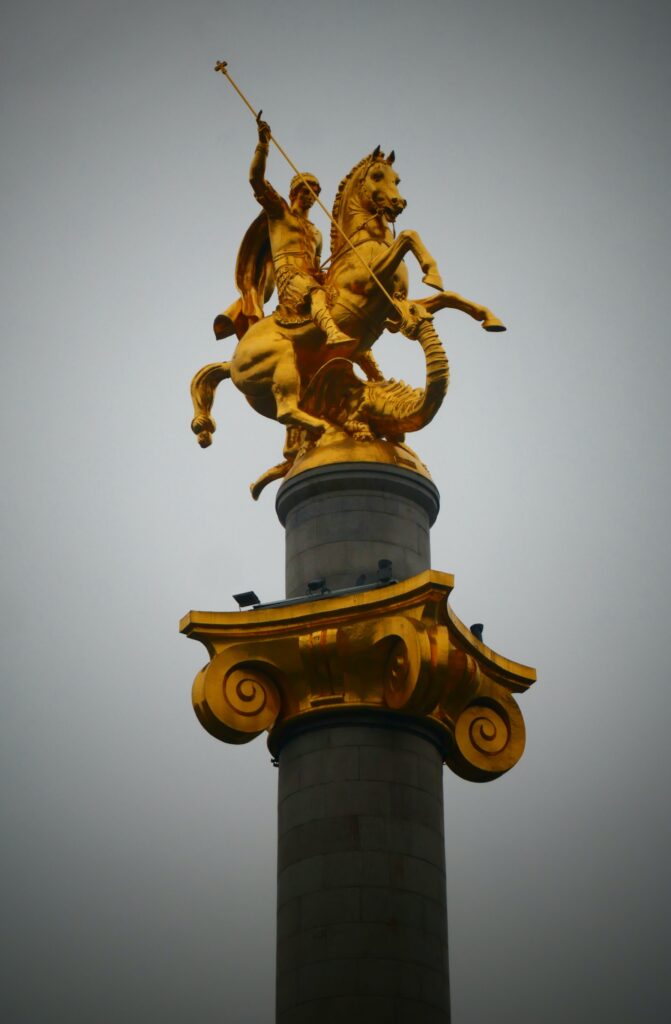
296	364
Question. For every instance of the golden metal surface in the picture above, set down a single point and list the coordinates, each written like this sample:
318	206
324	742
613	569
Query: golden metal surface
296	364
398	648
346	449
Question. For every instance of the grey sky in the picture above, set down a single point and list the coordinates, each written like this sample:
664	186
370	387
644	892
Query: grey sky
532	141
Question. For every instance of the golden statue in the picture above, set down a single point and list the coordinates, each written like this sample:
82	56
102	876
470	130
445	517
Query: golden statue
296	365
393	648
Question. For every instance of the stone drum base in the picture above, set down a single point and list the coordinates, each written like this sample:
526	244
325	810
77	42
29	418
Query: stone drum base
342	520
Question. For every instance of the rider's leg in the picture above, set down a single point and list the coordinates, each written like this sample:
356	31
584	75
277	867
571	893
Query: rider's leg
323	319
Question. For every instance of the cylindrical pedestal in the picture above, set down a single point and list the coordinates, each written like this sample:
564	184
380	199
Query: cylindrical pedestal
362	920
341	520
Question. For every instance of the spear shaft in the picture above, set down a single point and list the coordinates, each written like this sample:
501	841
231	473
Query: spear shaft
222	66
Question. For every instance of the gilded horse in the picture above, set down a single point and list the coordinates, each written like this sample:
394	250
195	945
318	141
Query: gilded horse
274	361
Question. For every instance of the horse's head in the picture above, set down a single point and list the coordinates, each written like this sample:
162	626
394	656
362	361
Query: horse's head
371	186
378	188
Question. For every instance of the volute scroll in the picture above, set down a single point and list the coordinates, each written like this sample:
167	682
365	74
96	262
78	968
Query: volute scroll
399	649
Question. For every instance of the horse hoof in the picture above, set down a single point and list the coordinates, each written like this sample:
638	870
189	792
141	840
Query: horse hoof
204	439
492	323
433	280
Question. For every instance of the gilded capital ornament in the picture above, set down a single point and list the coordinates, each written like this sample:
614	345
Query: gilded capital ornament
397	648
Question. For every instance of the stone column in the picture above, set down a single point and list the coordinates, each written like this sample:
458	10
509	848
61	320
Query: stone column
362	920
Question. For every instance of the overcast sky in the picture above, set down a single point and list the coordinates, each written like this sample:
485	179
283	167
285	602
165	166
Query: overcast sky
532	141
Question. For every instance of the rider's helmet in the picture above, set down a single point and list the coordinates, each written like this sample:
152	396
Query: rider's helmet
300	179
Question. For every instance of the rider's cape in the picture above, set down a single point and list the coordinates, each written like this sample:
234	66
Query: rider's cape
254	279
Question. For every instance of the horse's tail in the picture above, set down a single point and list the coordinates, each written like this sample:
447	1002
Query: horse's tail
203	387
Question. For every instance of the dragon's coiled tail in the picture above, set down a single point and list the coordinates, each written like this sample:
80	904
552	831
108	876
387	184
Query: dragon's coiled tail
392	406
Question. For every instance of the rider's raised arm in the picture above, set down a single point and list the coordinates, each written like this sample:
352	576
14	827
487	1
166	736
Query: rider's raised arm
264	192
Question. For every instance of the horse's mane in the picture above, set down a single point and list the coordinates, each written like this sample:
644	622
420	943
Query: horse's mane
340	194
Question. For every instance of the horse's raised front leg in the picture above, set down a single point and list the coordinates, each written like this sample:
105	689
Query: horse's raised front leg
408	241
203	387
452	300
425	259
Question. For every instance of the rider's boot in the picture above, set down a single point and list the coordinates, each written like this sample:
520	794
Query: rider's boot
334	336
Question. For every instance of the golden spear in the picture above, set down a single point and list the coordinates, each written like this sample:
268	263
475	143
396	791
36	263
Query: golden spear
222	66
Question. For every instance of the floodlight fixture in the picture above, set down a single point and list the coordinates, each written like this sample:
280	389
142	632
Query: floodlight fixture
246	599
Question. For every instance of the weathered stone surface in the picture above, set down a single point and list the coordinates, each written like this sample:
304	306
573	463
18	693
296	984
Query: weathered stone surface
362	926
341	520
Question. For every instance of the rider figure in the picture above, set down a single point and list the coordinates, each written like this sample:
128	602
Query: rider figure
295	243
